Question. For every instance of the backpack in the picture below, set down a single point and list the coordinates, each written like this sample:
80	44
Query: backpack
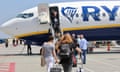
65	51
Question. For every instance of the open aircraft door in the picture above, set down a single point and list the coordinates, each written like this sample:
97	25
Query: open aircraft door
43	14
55	21
44	17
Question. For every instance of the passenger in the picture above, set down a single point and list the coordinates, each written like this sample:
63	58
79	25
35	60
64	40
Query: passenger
78	38
75	40
75	51
21	41
66	60
6	43
55	22
13	42
29	49
83	45
48	51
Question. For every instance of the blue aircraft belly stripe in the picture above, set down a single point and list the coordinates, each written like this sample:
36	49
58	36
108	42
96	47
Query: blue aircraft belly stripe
93	34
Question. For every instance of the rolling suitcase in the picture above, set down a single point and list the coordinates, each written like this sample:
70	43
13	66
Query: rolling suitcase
56	68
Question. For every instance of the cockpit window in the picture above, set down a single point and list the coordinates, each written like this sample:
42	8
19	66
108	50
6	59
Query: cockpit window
25	15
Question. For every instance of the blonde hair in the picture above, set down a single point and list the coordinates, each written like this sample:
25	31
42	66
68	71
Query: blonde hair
66	38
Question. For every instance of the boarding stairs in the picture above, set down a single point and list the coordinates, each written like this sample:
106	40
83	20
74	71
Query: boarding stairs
52	31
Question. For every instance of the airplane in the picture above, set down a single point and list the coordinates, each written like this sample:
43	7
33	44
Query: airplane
97	20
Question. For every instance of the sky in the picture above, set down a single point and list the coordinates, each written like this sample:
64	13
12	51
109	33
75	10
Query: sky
10	8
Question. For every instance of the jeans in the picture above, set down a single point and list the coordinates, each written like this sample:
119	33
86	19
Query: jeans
83	56
67	67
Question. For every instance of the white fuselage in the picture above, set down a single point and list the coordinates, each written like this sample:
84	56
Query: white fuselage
73	16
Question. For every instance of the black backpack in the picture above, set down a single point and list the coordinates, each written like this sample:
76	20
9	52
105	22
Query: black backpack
65	51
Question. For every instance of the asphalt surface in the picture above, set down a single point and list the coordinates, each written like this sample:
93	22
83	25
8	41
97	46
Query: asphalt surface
15	59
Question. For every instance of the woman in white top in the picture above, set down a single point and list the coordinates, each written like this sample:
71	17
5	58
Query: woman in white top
48	52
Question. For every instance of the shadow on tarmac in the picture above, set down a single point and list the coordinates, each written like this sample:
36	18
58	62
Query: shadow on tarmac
33	54
109	52
38	54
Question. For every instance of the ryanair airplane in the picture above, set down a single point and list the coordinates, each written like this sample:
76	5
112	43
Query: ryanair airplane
97	20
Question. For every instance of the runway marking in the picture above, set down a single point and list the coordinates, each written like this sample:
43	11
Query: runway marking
12	67
7	67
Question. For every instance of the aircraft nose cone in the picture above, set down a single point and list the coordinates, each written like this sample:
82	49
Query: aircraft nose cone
3	26
7	24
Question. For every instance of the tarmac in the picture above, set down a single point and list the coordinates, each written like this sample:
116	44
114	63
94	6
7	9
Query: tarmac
15	59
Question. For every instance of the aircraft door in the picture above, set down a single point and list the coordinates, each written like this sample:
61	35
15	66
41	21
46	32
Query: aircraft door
43	14
54	18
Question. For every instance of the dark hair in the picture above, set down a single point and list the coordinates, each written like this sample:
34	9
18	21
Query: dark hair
50	38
